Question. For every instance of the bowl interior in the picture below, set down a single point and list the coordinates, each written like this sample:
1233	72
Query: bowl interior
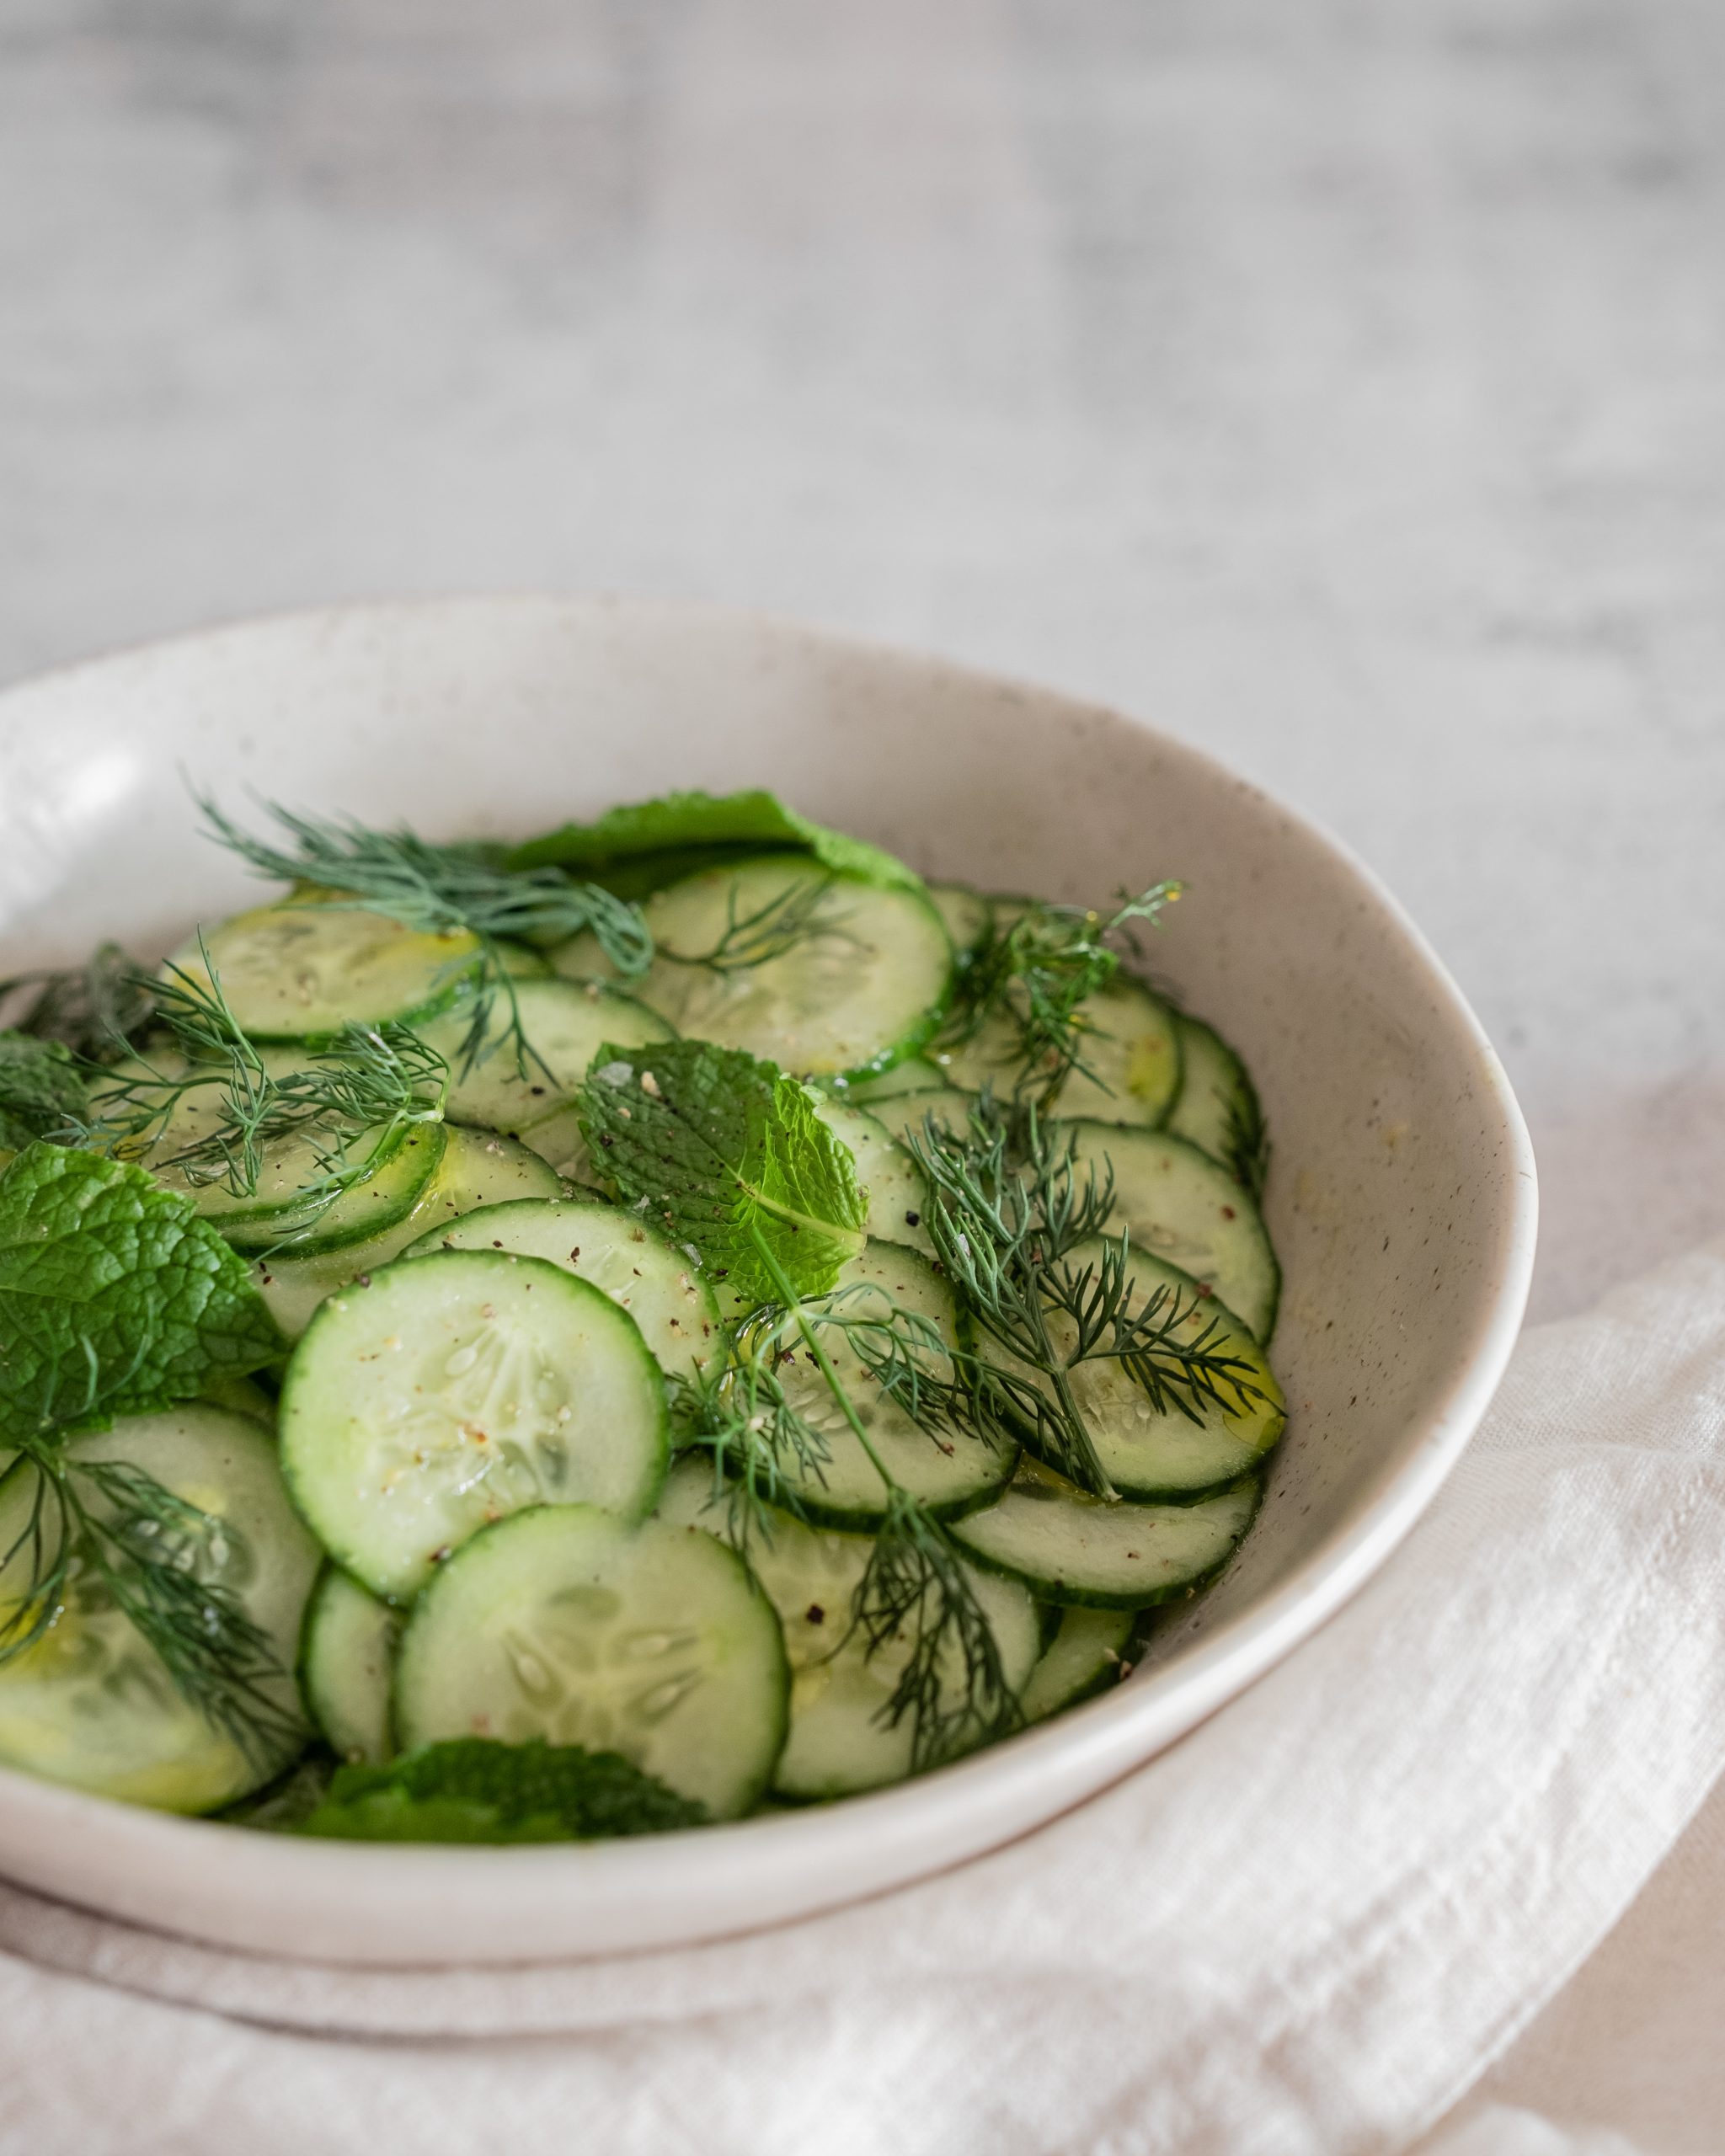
1401	1195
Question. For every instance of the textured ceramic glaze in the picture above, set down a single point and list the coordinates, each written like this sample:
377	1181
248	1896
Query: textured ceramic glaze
1401	1198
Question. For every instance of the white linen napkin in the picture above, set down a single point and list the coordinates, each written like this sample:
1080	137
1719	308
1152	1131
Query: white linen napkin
1308	1927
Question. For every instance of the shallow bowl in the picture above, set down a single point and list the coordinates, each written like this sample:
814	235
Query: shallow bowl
1402	1195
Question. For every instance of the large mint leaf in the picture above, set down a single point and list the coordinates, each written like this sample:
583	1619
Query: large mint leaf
115	1297
40	1086
474	1789
636	849
720	1147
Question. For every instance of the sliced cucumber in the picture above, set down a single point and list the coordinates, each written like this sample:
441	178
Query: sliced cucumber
1217	1108
309	964
968	915
457	1388
1083	1657
1185	1208
822	974
560	1142
1130	1057
907	1116
898	1197
1070	1547
659	1285
92	1703
949	1471
347	1665
568	1624
916	1075
1197	1437
476	1168
564	1023
276	1212
839	1740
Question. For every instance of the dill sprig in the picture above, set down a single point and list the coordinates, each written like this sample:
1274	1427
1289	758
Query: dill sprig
107	1529
767	931
916	1583
98	1010
916	1586
763	1450
441	890
1008	1209
1036	974
355	1097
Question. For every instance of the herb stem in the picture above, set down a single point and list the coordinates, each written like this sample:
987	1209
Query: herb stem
794	1303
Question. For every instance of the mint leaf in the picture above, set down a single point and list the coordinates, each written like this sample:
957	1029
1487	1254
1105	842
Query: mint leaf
115	1297
474	1789
40	1086
637	849
719	1146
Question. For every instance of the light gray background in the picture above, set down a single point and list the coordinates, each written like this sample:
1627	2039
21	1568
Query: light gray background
1340	383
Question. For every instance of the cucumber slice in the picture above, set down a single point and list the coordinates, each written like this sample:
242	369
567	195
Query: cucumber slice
347	1665
898	1197
856	983
839	1742
565	1024
658	1285
1186	1208
521	962
560	1142
1148	1450
951	1472
906	1116
917	1074
457	1388
1070	1547
91	1703
1084	1657
475	1168
308	964
569	1624
276	1214
1217	1108
968	915
1130	1043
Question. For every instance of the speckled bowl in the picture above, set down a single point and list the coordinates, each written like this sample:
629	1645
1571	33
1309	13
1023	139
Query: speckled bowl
1401	1198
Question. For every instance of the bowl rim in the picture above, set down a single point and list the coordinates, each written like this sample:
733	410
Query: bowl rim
1077	1756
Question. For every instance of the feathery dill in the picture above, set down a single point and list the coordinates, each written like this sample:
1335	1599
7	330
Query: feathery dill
916	1588
764	1451
1010	1212
438	891
1035	974
1247	1143
106	1533
354	1098
96	1009
728	1152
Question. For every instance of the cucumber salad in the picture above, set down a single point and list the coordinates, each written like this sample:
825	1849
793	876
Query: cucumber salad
675	1319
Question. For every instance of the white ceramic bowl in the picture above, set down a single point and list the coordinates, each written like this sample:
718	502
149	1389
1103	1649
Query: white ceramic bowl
1401	1198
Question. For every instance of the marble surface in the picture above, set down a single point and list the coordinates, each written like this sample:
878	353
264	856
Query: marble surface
1340	386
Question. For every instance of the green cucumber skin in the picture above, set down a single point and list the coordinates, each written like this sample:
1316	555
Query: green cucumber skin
254	1239
913	1042
401	1715
847	1521
1153	1493
1068	1598
1163	1136
345	1558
